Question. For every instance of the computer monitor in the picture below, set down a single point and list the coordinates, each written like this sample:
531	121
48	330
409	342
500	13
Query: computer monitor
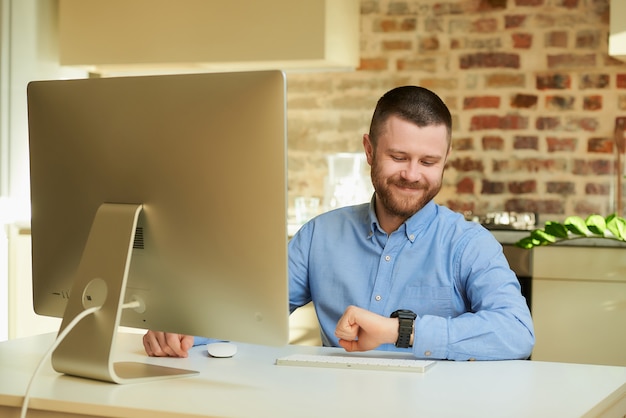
167	191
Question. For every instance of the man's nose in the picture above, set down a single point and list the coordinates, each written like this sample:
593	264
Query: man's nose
412	171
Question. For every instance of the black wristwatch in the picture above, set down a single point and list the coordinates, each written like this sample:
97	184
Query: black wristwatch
405	327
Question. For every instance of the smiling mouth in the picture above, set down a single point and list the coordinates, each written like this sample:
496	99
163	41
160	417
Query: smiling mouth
411	187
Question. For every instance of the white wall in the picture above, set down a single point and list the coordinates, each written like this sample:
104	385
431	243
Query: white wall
28	51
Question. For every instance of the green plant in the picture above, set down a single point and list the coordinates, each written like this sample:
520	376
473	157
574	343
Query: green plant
595	226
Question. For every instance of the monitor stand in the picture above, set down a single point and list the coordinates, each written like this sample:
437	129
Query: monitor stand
101	279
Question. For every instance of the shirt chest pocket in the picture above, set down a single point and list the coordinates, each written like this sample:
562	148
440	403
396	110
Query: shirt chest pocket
431	300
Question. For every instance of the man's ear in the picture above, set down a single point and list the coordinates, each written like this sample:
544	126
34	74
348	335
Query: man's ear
369	149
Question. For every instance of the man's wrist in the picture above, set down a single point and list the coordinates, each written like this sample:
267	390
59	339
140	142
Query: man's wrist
406	320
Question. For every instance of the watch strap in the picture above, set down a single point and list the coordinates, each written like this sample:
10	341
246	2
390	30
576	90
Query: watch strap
406	318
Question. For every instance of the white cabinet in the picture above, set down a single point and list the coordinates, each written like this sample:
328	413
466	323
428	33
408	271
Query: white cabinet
304	328
617	36
115	36
22	319
579	304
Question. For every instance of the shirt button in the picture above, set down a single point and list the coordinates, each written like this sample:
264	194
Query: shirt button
411	237
427	353
378	298
387	258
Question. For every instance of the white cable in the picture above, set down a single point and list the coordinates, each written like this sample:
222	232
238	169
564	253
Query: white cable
59	340
56	343
133	304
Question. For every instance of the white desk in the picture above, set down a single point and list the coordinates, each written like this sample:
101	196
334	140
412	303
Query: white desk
250	385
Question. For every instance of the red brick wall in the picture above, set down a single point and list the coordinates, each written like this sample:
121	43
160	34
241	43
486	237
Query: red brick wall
533	92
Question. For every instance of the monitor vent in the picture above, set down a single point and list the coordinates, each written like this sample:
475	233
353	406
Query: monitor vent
138	241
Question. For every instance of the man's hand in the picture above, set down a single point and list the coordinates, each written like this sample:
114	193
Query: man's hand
361	330
163	344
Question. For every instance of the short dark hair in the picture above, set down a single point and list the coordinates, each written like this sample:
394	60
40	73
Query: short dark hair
414	104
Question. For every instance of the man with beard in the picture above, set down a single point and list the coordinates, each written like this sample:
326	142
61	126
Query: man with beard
402	272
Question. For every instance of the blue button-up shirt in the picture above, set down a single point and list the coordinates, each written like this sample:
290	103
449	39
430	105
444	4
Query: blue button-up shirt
450	272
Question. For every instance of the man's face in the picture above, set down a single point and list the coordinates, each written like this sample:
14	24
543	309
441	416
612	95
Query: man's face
407	166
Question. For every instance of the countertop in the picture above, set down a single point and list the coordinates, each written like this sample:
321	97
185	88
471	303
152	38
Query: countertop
511	237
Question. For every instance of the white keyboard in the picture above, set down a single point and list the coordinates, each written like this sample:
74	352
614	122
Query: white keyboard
353	362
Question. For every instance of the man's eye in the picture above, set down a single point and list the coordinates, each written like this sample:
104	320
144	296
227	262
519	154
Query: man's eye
398	158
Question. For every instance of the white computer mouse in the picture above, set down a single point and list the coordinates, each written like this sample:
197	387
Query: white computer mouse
221	349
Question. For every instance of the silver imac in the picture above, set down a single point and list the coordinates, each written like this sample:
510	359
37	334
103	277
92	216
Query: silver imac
165	192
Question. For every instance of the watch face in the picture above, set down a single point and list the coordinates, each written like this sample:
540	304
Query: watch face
404	314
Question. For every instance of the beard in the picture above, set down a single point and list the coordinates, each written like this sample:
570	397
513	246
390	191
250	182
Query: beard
395	204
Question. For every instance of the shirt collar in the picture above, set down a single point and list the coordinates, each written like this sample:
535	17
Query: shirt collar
412	226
